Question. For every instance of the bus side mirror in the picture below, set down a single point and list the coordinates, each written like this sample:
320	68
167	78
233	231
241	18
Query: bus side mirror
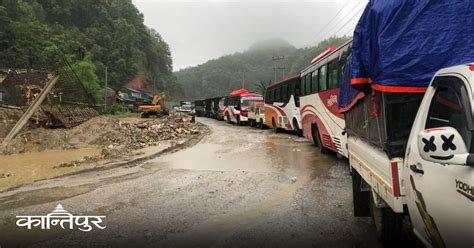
443	145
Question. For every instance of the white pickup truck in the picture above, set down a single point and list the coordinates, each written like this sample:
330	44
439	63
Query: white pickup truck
432	185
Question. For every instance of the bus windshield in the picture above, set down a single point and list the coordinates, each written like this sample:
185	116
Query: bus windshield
246	102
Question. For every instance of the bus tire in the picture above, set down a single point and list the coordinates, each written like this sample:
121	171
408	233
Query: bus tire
388	224
360	199
317	140
238	120
275	127
296	128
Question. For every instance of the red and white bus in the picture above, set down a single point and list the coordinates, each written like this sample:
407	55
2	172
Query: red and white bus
282	105
237	103
321	121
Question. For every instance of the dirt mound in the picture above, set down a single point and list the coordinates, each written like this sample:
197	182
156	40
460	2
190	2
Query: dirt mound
8	118
116	135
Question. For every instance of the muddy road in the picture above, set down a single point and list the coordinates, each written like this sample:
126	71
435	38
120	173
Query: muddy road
237	187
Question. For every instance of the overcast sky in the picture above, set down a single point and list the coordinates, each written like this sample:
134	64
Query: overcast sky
197	30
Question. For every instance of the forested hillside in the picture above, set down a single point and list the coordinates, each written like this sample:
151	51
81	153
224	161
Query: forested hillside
93	34
250	68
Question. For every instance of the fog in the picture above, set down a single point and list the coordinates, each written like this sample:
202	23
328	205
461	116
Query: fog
198	31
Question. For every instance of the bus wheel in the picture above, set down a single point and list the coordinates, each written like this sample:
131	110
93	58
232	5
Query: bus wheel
238	120
251	123
296	128
261	125
388	224
275	127
317	139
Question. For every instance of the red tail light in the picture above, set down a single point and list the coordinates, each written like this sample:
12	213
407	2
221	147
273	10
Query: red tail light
244	113
395	183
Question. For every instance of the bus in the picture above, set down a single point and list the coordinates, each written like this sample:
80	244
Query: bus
322	122
236	105
282	106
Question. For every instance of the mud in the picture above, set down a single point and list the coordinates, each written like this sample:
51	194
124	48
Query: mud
233	188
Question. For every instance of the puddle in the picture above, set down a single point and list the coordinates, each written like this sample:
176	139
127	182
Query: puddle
29	167
261	153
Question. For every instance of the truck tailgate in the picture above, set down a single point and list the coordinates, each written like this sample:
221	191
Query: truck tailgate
380	172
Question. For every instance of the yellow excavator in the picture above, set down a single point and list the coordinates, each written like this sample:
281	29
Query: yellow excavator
157	107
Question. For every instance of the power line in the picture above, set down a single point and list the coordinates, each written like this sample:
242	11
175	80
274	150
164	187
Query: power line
347	22
332	19
350	11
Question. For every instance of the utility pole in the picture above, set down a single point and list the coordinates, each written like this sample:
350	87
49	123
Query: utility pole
105	91
275	68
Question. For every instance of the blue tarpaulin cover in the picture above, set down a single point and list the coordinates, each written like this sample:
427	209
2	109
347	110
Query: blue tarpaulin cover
398	45
348	95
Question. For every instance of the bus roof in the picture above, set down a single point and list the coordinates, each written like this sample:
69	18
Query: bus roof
284	81
251	95
239	92
326	54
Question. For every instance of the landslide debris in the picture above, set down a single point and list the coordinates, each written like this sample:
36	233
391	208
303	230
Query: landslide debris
116	135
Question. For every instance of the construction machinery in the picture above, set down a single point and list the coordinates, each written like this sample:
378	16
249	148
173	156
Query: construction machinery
157	107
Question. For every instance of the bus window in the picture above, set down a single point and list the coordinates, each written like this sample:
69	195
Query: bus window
323	78
298	87
284	93
308	84
314	81
332	75
267	95
302	86
291	88
277	95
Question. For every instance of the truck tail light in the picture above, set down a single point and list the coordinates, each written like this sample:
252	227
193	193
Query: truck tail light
395	181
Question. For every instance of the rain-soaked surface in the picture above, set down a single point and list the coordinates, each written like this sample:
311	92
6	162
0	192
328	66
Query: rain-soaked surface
237	187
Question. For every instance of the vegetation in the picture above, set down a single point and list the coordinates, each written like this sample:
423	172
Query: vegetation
93	34
252	69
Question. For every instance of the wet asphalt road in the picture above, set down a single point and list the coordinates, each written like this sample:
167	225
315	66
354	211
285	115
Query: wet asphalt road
234	188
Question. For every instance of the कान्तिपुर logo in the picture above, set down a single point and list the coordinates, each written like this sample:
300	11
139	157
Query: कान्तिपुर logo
59	216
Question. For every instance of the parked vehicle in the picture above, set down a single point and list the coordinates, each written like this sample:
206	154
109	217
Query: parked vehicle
410	125
221	107
256	114
199	107
236	105
215	107
208	107
318	100
282	105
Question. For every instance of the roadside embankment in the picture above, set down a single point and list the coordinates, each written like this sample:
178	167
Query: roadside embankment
40	153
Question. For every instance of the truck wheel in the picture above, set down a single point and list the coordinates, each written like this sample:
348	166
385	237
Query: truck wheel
317	139
388	224
361	199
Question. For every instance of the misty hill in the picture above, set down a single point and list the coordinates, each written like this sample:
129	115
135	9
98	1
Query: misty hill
92	34
219	76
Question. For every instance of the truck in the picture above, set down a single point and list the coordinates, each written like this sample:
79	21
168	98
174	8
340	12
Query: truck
156	107
256	115
432	181
408	108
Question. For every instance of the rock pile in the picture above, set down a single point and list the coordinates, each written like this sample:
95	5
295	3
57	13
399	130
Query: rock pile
133	136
